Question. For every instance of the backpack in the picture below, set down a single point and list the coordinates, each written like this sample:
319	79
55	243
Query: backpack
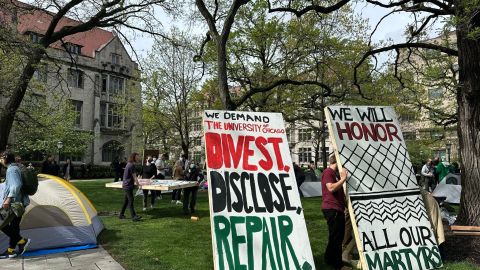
29	181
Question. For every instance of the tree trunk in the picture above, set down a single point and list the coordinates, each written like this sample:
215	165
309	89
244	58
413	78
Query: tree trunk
222	76
468	128
185	150
8	115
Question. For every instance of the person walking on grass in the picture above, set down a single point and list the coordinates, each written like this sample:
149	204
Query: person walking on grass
333	206
129	182
13	206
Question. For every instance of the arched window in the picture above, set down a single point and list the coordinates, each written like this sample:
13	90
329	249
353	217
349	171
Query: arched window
112	150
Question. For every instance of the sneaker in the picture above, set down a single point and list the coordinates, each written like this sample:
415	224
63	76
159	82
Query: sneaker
179	203
122	217
9	253
23	245
144	209
136	218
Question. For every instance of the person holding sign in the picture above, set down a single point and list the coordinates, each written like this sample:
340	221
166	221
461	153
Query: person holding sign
333	206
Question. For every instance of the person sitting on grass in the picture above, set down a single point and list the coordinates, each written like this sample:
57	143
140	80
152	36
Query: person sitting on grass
13	200
129	182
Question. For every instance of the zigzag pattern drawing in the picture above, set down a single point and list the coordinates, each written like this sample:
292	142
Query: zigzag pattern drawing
373	167
406	209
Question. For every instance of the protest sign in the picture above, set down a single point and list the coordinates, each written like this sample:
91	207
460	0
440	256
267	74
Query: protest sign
256	214
392	229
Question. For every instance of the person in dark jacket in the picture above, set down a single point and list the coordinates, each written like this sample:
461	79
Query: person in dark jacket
193	175
299	176
117	169
149	172
128	184
47	166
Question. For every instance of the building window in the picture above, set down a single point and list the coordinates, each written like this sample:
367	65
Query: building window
35	37
197	141
407	116
304	154
409	135
304	135
435	93
197	126
110	116
116	85
73	48
112	150
327	151
116	59
104	83
289	134
77	107
75	78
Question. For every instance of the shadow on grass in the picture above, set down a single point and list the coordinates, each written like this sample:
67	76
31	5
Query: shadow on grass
109	236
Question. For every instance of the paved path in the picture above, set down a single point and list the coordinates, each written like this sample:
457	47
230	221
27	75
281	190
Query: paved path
90	259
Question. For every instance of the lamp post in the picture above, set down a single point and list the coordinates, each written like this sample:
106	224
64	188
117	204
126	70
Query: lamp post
59	146
449	147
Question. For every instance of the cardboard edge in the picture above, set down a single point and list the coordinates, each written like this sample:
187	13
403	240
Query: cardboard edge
210	203
349	203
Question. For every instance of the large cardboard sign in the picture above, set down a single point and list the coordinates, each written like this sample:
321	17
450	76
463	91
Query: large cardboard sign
392	229
255	209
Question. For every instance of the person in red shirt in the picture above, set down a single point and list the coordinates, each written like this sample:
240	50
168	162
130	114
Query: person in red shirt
333	206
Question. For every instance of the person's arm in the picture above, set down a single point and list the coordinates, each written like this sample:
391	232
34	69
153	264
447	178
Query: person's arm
15	182
135	179
333	187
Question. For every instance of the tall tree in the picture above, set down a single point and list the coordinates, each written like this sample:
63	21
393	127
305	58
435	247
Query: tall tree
137	15
220	17
465	18
172	80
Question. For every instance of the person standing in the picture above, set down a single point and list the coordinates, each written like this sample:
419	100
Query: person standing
161	165
427	175
129	182
117	169
333	206
193	175
178	174
299	177
148	172
12	197
47	166
68	170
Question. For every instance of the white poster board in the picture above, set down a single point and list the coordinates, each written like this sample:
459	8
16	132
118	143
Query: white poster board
392	229
256	214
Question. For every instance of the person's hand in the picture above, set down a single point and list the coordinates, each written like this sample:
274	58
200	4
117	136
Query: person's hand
343	174
6	203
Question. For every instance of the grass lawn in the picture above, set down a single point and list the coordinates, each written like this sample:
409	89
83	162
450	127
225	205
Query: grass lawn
166	239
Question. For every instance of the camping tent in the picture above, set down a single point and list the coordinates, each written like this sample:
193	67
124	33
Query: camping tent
450	188
59	216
